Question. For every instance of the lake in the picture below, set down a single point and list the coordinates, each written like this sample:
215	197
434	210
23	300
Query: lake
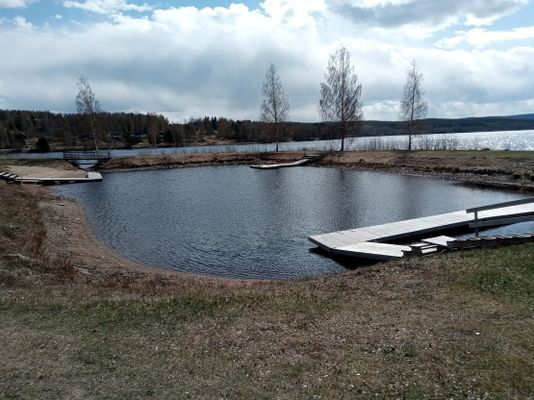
235	221
505	140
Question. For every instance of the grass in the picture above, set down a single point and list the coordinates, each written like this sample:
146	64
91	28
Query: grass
457	325
510	278
420	329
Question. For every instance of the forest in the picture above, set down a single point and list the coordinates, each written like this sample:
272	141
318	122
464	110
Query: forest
44	131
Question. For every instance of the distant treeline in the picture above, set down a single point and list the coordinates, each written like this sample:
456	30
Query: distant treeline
43	130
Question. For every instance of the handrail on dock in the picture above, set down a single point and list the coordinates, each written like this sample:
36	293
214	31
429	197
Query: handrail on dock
476	210
501	205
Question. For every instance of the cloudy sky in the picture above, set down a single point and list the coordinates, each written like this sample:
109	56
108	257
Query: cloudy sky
187	58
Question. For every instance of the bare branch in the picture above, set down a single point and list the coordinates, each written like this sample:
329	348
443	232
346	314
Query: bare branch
275	105
413	104
341	94
86	104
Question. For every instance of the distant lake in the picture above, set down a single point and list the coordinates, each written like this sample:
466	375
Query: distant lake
506	140
235	221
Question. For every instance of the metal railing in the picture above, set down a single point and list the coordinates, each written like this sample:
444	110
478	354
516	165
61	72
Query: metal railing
477	224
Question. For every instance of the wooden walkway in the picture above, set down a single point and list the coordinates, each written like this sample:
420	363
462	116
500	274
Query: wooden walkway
89	177
369	243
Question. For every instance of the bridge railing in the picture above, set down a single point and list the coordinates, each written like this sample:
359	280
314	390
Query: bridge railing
86	155
478	224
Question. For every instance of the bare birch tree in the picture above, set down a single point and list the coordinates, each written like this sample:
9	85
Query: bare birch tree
275	105
86	104
340	101
413	105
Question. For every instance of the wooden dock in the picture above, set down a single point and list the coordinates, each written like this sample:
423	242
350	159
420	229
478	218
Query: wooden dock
13	178
370	242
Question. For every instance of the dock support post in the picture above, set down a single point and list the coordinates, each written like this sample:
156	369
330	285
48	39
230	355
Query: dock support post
476	223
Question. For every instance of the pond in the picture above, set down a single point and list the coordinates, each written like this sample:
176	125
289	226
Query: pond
235	221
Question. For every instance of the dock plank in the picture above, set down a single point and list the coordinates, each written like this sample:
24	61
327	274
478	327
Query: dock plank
373	250
439	240
89	177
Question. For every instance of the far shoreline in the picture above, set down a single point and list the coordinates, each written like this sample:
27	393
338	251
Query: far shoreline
508	170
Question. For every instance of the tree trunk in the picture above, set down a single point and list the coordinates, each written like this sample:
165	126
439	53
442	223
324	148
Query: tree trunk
276	134
411	125
93	131
343	132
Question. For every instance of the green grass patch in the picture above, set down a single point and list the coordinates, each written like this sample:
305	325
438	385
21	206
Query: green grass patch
508	276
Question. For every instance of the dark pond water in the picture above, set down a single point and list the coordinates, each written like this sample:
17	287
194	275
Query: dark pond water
240	222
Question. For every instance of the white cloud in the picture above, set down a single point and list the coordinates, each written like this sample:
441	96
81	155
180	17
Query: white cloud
21	24
294	13
480	37
15	3
106	6
192	62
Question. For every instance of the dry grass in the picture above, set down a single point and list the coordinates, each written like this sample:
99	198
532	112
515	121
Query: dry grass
507	169
409	330
480	162
451	326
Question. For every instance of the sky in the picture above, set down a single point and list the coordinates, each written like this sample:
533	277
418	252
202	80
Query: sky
187	59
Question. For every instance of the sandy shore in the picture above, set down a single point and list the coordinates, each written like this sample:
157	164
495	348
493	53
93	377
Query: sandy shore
36	171
69	236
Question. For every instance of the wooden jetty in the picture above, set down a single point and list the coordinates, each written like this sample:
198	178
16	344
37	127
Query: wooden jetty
302	161
13	178
371	242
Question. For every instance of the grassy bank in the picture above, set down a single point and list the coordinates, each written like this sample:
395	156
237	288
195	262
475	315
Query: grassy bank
181	160
518	164
457	325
